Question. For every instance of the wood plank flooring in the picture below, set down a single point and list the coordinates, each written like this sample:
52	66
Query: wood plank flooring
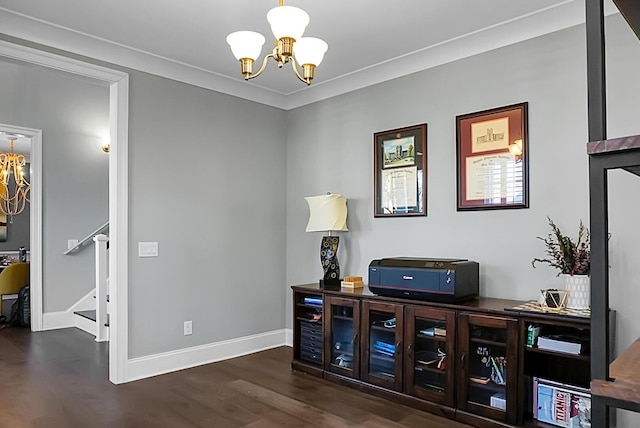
60	379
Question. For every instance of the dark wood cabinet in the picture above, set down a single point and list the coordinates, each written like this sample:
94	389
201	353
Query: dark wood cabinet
381	344
430	354
467	361
488	366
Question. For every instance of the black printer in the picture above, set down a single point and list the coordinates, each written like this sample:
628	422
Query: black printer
440	280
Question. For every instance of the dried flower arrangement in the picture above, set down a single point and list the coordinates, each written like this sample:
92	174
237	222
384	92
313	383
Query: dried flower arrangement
569	257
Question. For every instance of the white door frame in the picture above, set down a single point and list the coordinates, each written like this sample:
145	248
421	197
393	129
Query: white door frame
118	199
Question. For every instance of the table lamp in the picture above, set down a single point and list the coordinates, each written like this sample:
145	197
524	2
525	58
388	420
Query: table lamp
328	213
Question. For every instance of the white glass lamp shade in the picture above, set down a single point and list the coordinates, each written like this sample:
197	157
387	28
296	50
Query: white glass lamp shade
327	212
309	50
246	44
287	21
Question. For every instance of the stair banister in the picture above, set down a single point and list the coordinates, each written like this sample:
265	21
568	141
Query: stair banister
87	238
102	274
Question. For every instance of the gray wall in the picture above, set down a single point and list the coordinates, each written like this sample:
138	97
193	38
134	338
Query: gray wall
18	227
73	114
207	179
334	140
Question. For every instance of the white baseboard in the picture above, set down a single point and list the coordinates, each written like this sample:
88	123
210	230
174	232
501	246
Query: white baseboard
85	324
288	334
153	365
55	320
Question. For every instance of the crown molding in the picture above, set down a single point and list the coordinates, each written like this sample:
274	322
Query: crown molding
555	18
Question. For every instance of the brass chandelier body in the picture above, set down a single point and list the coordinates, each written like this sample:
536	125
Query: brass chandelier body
288	24
13	184
282	53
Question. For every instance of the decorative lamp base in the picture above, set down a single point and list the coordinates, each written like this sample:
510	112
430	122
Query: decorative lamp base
329	259
330	284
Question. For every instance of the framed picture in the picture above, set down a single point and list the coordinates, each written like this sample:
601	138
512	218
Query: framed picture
492	159
400	172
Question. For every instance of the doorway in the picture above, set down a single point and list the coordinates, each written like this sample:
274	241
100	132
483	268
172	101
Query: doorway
118	196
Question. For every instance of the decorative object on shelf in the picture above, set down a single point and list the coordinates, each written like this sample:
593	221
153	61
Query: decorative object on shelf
14	187
352	282
400	172
492	159
328	213
287	24
573	261
553	300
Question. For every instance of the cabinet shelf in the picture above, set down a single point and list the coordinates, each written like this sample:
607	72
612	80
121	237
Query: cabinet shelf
303	319
343	318
433	368
582	357
391	330
306	305
436	338
488	342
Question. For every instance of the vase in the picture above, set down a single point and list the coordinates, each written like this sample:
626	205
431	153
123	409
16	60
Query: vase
579	290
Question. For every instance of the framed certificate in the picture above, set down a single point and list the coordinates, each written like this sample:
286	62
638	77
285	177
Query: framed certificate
400	168
492	160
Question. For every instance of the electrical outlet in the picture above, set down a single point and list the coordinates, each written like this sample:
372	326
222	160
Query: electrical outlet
188	328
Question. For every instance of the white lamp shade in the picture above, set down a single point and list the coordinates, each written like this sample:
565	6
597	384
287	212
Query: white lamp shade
327	212
287	21
246	44
309	50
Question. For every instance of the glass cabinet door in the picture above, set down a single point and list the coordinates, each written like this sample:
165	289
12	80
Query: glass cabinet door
341	329
381	344
488	366
430	347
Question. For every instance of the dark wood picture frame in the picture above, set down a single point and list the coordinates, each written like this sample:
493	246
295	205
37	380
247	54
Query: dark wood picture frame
492	159
400	172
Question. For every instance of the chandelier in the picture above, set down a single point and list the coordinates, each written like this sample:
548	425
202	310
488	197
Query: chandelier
287	24
13	185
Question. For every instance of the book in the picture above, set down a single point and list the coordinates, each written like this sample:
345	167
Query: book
561	405
440	331
314	301
570	344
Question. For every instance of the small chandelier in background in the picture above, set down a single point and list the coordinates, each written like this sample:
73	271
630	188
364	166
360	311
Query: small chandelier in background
287	24
14	187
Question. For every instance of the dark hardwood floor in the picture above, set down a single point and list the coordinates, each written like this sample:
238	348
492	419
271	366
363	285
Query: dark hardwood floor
60	379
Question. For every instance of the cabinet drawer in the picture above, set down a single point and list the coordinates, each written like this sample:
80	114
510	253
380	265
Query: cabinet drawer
311	343
316	330
311	327
310	355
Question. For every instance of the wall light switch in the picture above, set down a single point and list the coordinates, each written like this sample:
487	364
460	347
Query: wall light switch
71	243
147	249
188	328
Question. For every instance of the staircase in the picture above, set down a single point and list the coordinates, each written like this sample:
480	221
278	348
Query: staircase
96	321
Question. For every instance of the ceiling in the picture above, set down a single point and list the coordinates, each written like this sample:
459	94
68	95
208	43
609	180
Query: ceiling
370	41
21	144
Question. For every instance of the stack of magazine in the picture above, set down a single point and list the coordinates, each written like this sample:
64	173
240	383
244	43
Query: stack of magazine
561	404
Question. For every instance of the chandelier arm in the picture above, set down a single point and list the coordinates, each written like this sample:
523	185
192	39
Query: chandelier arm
262	67
294	65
